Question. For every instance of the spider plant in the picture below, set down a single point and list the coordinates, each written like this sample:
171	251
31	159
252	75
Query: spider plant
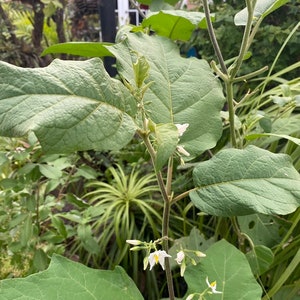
125	208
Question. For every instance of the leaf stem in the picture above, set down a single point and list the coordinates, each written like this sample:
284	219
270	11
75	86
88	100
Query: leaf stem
250	75
231	111
183	195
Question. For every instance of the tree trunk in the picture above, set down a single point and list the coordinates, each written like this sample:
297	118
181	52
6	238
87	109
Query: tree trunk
38	24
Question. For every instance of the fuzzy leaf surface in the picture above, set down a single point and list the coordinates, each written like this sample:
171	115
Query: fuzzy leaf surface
182	90
261	10
175	24
69	105
229	268
86	49
242	182
68	280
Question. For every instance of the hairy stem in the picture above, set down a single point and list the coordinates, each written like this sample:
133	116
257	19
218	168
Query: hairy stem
166	194
165	232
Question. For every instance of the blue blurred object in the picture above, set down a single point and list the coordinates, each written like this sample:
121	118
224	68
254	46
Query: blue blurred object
192	52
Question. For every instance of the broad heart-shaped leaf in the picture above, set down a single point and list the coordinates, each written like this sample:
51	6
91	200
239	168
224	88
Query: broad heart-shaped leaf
86	49
175	24
261	10
69	105
242	182
182	90
229	268
69	280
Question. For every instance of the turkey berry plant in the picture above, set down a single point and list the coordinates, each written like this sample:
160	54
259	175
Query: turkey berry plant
173	105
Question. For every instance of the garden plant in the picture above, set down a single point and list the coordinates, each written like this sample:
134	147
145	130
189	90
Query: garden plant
241	150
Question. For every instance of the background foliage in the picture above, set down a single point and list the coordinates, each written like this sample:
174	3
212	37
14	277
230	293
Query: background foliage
51	203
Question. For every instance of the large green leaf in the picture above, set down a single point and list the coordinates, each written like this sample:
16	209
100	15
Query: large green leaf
261	10
68	280
182	90
69	105
229	268
175	24
87	49
241	182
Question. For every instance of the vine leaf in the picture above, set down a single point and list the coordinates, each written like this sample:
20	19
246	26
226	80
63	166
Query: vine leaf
68	280
242	182
69	105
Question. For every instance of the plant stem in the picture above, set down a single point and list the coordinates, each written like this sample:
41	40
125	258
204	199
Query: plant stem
166	194
165	232
183	195
246	38
231	110
213	38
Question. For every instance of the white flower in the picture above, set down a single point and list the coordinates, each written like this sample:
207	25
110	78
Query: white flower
158	257
200	254
190	297
182	128
212	286
181	150
133	242
180	257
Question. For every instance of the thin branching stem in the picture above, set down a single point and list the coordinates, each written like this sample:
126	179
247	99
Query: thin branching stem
165	191
213	38
246	39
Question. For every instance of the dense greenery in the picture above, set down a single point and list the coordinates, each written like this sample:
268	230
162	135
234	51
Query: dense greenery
179	156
